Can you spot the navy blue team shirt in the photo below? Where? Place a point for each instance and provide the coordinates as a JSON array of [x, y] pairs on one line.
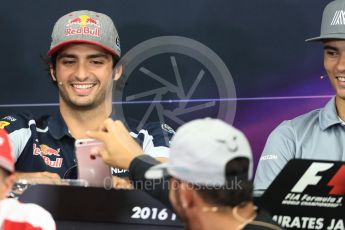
[[44, 143]]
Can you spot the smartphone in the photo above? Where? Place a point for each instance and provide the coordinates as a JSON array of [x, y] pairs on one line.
[[92, 168]]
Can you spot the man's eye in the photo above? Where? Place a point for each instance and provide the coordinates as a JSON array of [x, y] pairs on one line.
[[68, 62], [331, 53], [97, 62]]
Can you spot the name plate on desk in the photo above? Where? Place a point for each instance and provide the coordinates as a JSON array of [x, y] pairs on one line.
[[73, 203], [308, 194]]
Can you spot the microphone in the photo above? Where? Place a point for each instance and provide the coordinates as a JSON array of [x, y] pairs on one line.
[[60, 83]]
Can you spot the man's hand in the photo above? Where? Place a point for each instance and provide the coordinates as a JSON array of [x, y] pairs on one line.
[[122, 183], [120, 147], [38, 177]]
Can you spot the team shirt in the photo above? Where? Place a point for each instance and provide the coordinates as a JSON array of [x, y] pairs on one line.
[[44, 143]]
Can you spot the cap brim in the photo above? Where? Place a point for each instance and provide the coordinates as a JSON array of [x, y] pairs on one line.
[[325, 37], [5, 164], [62, 44], [157, 172]]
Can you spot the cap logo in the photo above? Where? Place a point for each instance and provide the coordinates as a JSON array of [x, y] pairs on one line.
[[84, 22], [232, 147], [338, 18], [2, 141], [118, 43]]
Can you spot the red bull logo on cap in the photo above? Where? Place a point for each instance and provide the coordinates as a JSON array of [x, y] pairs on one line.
[[87, 26]]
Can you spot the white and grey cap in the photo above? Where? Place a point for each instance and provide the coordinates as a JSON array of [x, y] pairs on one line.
[[200, 151], [85, 26], [333, 22]]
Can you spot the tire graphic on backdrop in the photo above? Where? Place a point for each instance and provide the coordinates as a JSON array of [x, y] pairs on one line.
[[174, 79]]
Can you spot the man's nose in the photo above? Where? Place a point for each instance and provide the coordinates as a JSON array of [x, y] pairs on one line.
[[81, 72], [341, 64]]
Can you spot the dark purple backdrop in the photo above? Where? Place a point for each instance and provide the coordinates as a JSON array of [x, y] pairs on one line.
[[275, 73]]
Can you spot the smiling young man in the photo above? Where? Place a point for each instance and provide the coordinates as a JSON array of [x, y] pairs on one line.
[[319, 134], [84, 51]]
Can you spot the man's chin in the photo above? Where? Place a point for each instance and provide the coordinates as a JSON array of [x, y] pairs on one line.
[[341, 96], [81, 105]]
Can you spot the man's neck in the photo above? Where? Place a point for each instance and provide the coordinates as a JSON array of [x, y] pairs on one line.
[[79, 121], [340, 105], [224, 220]]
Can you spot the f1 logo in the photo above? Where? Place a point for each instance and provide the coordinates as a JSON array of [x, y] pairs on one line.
[[310, 178]]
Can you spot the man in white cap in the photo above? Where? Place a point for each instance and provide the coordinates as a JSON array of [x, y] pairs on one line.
[[13, 214], [319, 134], [207, 177], [84, 51]]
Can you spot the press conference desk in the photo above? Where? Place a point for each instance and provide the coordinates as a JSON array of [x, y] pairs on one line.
[[97, 208]]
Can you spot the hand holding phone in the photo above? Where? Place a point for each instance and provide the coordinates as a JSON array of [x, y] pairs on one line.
[[91, 168]]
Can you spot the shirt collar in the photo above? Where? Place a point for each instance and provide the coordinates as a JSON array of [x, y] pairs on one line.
[[57, 126], [328, 115], [341, 121], [59, 129]]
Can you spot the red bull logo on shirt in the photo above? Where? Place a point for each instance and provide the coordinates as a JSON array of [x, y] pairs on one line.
[[44, 151], [87, 25]]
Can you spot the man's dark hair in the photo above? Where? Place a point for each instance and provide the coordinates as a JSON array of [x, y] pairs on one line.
[[238, 189]]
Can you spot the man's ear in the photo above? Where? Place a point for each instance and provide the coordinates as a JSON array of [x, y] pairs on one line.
[[117, 72], [186, 196], [52, 73]]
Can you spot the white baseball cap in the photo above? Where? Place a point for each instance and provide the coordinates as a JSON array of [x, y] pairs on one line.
[[200, 151]]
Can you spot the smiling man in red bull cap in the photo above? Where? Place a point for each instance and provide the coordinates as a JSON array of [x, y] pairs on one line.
[[84, 51], [13, 214]]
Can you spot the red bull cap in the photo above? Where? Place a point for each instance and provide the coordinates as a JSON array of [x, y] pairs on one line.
[[6, 159], [85, 27]]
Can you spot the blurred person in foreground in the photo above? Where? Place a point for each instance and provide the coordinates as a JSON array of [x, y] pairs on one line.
[[206, 180], [13, 214]]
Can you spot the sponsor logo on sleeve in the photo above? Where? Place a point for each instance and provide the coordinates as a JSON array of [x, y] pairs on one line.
[[10, 118], [167, 128], [268, 157]]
